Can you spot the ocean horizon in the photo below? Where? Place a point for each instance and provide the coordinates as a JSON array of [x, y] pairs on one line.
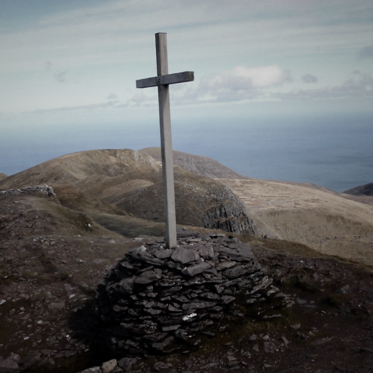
[[333, 152]]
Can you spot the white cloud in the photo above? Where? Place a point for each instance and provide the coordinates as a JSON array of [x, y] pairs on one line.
[[90, 107], [359, 85], [241, 83], [243, 78]]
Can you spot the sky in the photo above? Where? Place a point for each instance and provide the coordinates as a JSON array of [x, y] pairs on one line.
[[75, 62]]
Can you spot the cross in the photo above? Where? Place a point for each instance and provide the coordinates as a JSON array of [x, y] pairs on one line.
[[162, 81]]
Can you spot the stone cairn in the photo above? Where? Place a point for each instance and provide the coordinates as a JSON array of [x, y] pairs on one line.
[[158, 300]]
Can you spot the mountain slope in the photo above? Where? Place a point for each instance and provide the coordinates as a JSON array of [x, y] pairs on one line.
[[321, 219], [133, 182]]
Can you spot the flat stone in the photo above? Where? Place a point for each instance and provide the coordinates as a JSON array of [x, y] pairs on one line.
[[147, 278], [182, 334], [226, 251], [270, 347], [227, 299], [225, 265], [126, 363], [264, 282], [163, 254], [198, 305], [197, 269], [56, 306], [168, 328], [139, 328], [162, 345], [246, 251], [209, 296], [156, 337], [152, 311], [91, 370], [166, 283], [9, 365], [206, 252], [181, 298], [237, 271], [126, 285], [150, 259], [171, 308], [320, 341], [108, 366], [172, 290], [184, 255]]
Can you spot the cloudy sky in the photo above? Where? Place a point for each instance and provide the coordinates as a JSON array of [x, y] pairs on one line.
[[76, 61]]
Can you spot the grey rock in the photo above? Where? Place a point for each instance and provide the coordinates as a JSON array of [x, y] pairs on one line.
[[147, 278], [168, 328], [108, 366], [264, 282], [197, 269], [343, 289], [126, 363], [197, 305], [91, 370], [160, 346], [237, 271], [159, 366], [126, 285], [163, 254], [227, 299], [209, 296], [206, 252], [185, 255], [56, 306], [225, 265], [320, 341], [270, 347], [10, 364]]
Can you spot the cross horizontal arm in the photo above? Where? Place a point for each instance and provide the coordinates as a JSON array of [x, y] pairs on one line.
[[186, 76]]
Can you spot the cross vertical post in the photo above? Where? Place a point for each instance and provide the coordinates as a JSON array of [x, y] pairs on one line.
[[162, 81], [166, 141]]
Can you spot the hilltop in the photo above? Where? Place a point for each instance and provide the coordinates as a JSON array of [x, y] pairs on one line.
[[199, 165], [129, 183], [362, 190]]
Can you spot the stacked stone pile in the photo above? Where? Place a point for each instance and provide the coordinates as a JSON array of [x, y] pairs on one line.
[[159, 300]]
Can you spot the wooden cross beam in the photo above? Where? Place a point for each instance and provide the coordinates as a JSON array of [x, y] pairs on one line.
[[162, 81]]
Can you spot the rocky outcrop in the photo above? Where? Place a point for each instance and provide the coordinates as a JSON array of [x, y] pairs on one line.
[[158, 300], [45, 189], [203, 202], [228, 214]]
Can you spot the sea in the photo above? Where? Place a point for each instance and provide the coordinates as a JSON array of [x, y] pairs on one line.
[[329, 151]]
